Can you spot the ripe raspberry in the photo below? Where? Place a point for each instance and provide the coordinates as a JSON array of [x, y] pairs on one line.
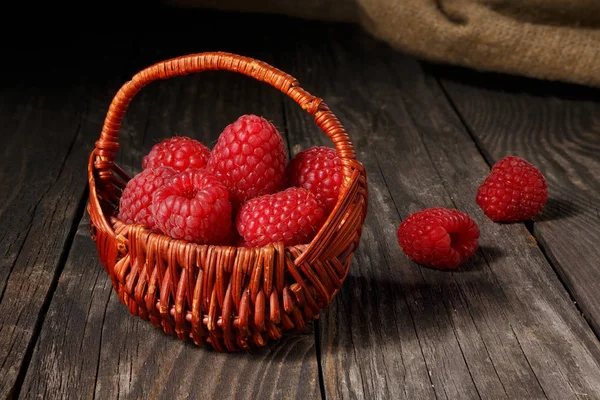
[[318, 169], [249, 158], [438, 237], [514, 191], [178, 152], [136, 200], [193, 205], [292, 217]]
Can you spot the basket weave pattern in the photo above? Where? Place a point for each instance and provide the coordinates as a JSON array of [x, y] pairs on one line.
[[231, 298]]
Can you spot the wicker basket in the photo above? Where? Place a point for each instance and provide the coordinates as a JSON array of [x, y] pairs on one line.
[[231, 298]]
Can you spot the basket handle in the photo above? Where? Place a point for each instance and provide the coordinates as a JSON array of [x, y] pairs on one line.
[[108, 143]]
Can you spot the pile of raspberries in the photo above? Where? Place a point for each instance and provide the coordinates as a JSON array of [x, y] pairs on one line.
[[245, 193], [242, 193]]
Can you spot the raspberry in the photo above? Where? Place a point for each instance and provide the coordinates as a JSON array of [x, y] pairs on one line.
[[178, 152], [318, 169], [249, 158], [438, 237], [515, 190], [292, 217], [193, 205], [136, 200]]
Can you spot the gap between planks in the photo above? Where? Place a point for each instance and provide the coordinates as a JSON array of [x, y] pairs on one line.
[[48, 299]]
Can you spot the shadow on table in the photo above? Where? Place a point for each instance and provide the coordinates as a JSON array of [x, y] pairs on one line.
[[373, 312], [557, 209]]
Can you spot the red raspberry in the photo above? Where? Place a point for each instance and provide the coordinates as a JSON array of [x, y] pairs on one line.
[[193, 205], [136, 200], [178, 152], [514, 191], [249, 158], [438, 237], [292, 217], [318, 169]]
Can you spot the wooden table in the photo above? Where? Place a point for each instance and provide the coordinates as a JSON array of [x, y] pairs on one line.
[[520, 320]]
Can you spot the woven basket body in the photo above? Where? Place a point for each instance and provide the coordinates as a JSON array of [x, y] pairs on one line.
[[230, 298]]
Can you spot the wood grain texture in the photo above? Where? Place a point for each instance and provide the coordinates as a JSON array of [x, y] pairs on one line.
[[112, 354], [66, 356], [46, 123], [557, 128], [502, 327]]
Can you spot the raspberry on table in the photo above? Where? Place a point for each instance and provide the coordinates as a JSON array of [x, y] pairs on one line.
[[319, 170], [249, 158], [136, 200], [438, 237], [292, 216], [177, 152], [193, 205], [515, 190]]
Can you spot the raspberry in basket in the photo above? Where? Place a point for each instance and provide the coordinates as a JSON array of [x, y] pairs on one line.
[[249, 158], [515, 190], [136, 200], [193, 205], [292, 216], [178, 152], [439, 237], [318, 169]]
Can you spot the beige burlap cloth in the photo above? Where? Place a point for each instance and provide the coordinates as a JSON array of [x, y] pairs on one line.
[[547, 39]]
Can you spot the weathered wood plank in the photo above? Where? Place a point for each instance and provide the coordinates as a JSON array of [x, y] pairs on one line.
[[128, 357], [46, 123], [502, 327], [65, 359], [557, 128]]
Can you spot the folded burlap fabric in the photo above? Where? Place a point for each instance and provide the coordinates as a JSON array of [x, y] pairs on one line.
[[548, 39]]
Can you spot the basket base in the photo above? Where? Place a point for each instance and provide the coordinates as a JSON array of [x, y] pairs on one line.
[[217, 339]]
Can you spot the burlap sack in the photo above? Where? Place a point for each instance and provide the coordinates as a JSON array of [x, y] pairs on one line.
[[548, 39]]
